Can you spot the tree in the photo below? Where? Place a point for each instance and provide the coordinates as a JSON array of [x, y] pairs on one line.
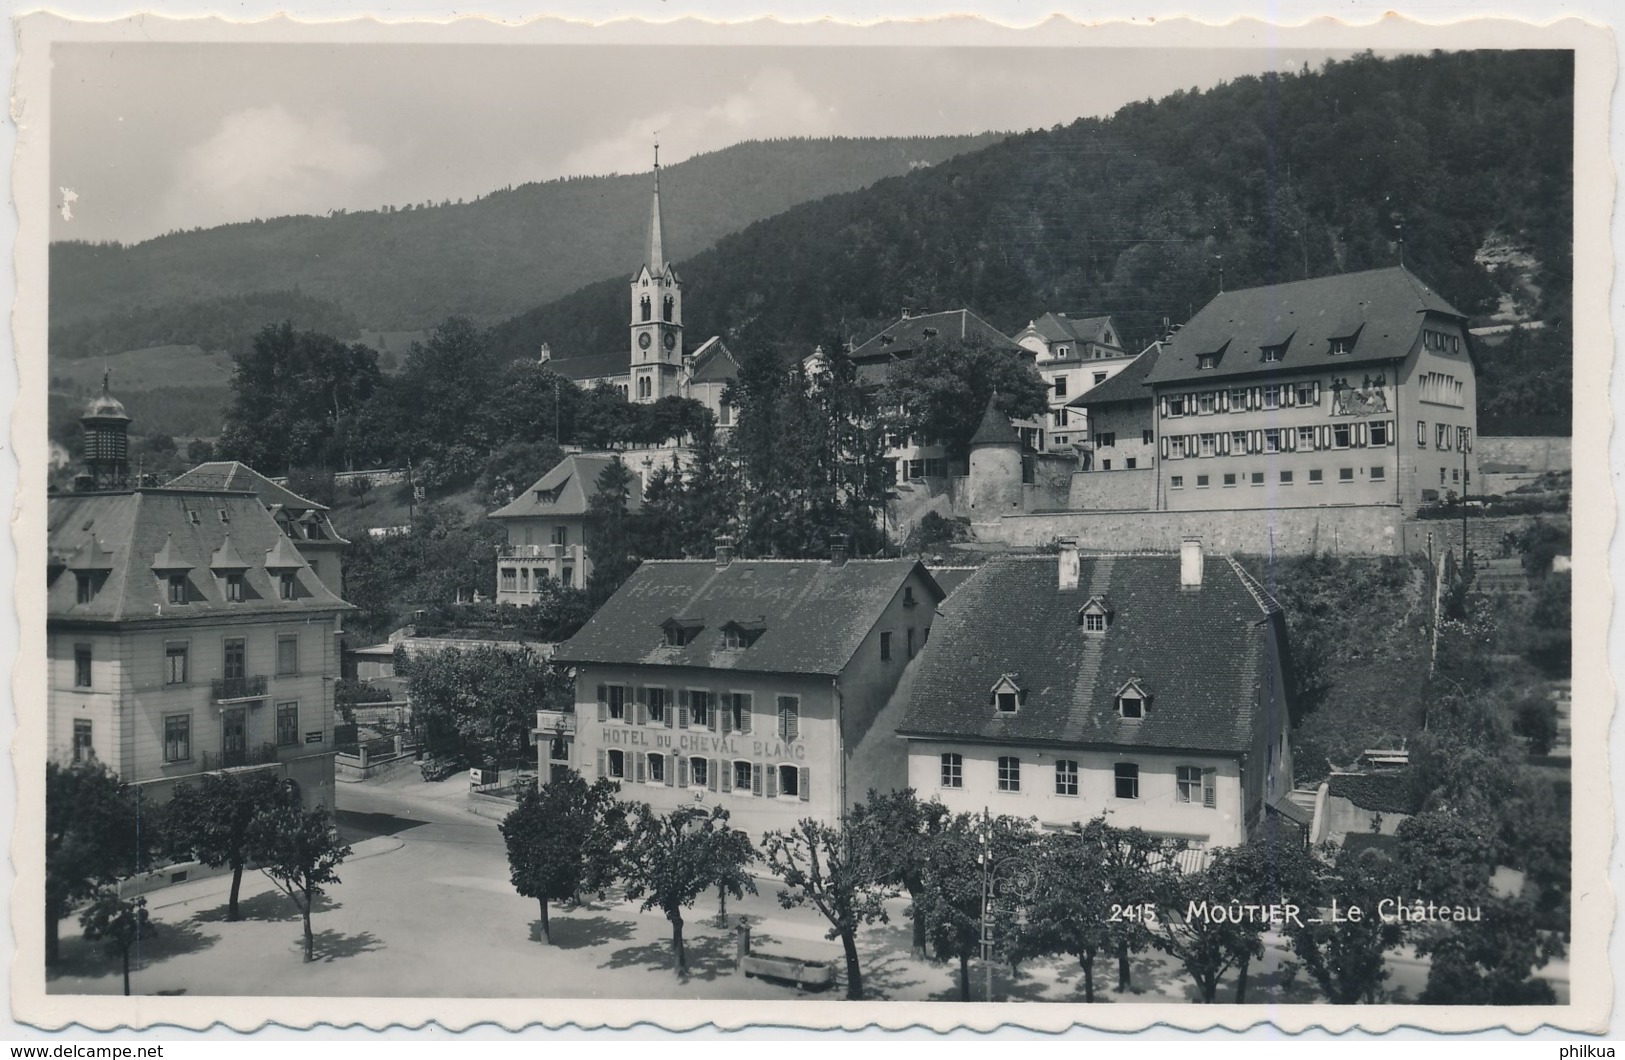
[[612, 532], [481, 703], [212, 820], [951, 899], [1070, 909], [93, 836], [671, 859], [300, 852], [840, 871], [734, 876], [551, 832], [1347, 959], [944, 389], [910, 828], [1488, 961], [119, 924]]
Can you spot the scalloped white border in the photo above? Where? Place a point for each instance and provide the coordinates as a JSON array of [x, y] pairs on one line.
[[1592, 987]]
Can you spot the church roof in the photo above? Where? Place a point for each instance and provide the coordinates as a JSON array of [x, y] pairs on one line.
[[654, 255], [588, 366], [713, 363]]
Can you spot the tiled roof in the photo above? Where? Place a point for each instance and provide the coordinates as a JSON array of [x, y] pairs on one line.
[[233, 475], [569, 489], [586, 366], [1058, 327], [713, 363], [1127, 385], [1384, 306], [951, 578], [994, 429], [1200, 655], [141, 529], [815, 614], [909, 334], [1378, 792]]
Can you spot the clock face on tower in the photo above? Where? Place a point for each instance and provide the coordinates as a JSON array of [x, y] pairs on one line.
[[643, 341], [671, 340]]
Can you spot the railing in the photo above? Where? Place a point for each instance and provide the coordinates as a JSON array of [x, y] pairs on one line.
[[264, 754], [532, 551], [229, 688]]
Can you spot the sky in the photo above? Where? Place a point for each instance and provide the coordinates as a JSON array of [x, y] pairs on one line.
[[150, 138]]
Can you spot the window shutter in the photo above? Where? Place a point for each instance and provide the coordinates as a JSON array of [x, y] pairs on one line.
[[1359, 434], [1317, 393], [1209, 797], [1222, 444], [756, 778], [745, 710], [643, 705], [1289, 439], [795, 720], [725, 769], [712, 768], [805, 781], [682, 708], [1290, 398], [1164, 408], [603, 703], [668, 708], [639, 767], [1391, 427], [1192, 441], [603, 764], [772, 779], [724, 708], [711, 718], [671, 770], [1224, 401], [1165, 447]]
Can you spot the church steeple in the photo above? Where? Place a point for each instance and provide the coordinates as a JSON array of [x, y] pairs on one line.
[[655, 253]]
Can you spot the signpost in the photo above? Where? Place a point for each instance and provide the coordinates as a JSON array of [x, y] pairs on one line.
[[1007, 887]]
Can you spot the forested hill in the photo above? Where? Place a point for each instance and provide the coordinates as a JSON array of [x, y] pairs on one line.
[[1269, 178], [409, 268]]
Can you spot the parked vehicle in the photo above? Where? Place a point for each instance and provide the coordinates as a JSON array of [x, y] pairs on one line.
[[439, 767]]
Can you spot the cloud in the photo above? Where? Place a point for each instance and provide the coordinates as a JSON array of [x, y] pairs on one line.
[[267, 162], [773, 104]]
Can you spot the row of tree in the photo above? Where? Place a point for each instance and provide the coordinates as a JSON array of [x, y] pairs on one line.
[[99, 831], [1087, 892]]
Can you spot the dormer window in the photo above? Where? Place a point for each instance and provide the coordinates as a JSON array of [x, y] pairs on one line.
[[1132, 701], [1205, 361], [1272, 353], [1095, 615], [680, 631], [1007, 696], [741, 634], [1342, 346], [234, 588]]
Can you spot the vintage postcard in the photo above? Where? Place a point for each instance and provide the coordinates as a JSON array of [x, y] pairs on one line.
[[812, 524]]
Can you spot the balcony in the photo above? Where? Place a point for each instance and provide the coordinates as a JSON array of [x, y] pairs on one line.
[[263, 755], [238, 689], [531, 551]]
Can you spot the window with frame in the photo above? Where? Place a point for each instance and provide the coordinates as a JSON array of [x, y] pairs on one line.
[[1272, 439], [885, 647], [741, 704], [235, 661], [1378, 473], [1009, 773], [1176, 482], [1421, 434], [1106, 464], [510, 579], [742, 778], [1066, 777], [656, 768], [234, 588], [615, 695], [953, 770], [1205, 403], [175, 663], [1201, 482], [1229, 478], [789, 718], [289, 585], [1176, 446], [1094, 622], [287, 724], [177, 589], [1106, 439], [656, 705], [85, 587], [287, 655], [1100, 377], [1306, 437], [1205, 361], [1238, 399], [1126, 780], [1464, 437], [1341, 433], [1379, 432], [1272, 396], [558, 749], [84, 749], [1060, 385], [1286, 478], [1058, 418], [1130, 463], [1238, 441], [1271, 354], [616, 760], [909, 637], [1345, 474], [81, 665], [1007, 702], [1209, 444], [1442, 436], [177, 737], [1131, 706], [1342, 346], [699, 709], [1257, 478], [1303, 393], [790, 782], [1148, 436], [561, 535], [699, 771], [1315, 475]]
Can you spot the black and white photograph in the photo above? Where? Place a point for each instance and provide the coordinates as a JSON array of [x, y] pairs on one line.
[[817, 519]]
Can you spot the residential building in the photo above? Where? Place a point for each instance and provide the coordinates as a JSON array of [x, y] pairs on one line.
[[1146, 688], [547, 528], [658, 362], [185, 634], [1356, 389], [1074, 355], [922, 458], [305, 522], [1119, 451], [739, 682]]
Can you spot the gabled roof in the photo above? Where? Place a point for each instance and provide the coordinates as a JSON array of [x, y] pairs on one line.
[[1127, 385], [568, 489], [233, 475], [1384, 305], [713, 363], [585, 366], [1058, 327], [138, 527], [815, 613], [1201, 656], [909, 334]]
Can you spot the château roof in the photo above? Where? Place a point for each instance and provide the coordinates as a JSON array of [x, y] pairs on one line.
[[813, 614], [567, 489], [1202, 657], [1381, 310], [910, 333], [234, 475]]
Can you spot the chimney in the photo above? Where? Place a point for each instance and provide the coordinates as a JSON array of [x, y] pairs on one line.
[[1190, 563], [837, 550], [725, 550], [1069, 563]]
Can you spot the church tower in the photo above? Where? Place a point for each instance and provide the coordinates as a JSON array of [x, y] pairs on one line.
[[657, 315], [107, 443]]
